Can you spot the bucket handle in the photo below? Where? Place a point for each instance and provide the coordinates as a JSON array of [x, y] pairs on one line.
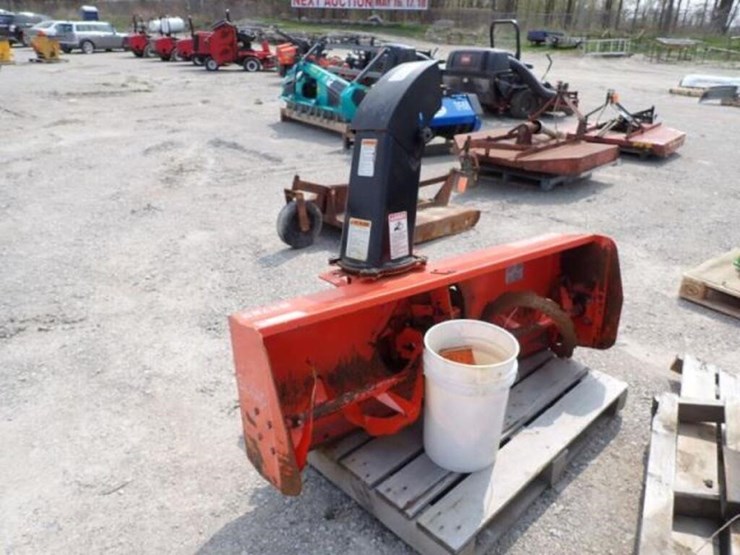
[[407, 410]]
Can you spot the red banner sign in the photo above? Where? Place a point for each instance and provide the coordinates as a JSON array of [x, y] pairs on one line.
[[363, 4]]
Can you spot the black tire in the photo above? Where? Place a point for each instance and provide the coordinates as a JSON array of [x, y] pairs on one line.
[[148, 52], [289, 230], [66, 49], [198, 61], [211, 64], [524, 103], [251, 64], [87, 47], [174, 56]]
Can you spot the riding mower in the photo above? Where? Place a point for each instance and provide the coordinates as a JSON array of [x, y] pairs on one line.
[[165, 46], [138, 40], [229, 45], [319, 97], [502, 82], [313, 369]]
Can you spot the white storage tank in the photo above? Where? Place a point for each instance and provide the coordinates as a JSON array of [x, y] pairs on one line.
[[167, 25]]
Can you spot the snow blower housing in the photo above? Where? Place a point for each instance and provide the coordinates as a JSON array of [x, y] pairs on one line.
[[312, 369]]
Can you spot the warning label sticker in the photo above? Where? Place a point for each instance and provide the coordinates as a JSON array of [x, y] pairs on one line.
[[358, 238], [398, 227], [366, 165]]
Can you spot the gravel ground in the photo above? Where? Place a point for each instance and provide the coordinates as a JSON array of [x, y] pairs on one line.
[[137, 210]]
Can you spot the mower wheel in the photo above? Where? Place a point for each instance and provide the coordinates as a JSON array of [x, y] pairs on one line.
[[211, 64], [66, 49], [174, 56], [148, 52], [524, 103], [197, 60], [289, 228], [252, 64], [87, 47]]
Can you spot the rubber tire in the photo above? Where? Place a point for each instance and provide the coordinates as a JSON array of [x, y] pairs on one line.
[[174, 56], [87, 47], [66, 49], [211, 64], [252, 64], [523, 104], [289, 229], [197, 61]]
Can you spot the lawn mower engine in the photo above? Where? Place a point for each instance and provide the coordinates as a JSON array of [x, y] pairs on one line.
[[312, 369]]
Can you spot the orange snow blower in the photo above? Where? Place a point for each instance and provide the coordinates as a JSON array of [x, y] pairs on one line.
[[312, 369]]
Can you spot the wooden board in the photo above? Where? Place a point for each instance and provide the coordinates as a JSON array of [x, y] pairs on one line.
[[692, 483], [714, 284], [441, 512]]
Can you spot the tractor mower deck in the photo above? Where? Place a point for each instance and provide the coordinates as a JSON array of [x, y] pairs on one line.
[[308, 204], [531, 150], [632, 132]]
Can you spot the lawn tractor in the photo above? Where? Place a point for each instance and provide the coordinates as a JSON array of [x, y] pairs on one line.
[[312, 369], [319, 97], [138, 40], [229, 45], [502, 82], [165, 46], [199, 47]]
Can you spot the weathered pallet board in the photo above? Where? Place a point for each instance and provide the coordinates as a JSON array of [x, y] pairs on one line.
[[440, 512], [714, 284], [692, 483]]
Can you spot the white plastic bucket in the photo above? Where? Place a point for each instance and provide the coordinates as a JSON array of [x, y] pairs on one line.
[[465, 404]]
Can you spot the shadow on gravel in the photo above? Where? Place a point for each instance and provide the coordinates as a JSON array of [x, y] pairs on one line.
[[304, 132], [522, 192], [327, 242], [321, 520]]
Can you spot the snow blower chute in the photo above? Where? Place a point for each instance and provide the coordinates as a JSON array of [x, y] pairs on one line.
[[311, 369]]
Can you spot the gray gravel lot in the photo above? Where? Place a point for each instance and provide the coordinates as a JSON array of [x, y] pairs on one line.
[[138, 202]]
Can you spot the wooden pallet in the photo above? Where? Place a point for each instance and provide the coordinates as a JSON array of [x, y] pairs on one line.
[[546, 182], [335, 126], [551, 410], [692, 483], [714, 284]]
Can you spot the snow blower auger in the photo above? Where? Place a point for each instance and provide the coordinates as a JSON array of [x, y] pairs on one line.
[[633, 132], [309, 205], [312, 369], [318, 97]]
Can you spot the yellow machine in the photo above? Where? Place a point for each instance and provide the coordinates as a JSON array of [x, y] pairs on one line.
[[6, 52], [47, 49]]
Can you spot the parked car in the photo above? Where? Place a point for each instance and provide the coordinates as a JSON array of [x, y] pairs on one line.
[[14, 26], [88, 36], [48, 27]]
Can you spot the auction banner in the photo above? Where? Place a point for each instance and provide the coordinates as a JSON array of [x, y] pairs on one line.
[[363, 4]]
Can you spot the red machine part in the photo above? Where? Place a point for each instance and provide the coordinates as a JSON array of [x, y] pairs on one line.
[[164, 47], [224, 47], [314, 368], [184, 49], [137, 43]]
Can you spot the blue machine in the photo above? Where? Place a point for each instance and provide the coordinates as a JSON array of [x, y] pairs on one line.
[[313, 93]]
